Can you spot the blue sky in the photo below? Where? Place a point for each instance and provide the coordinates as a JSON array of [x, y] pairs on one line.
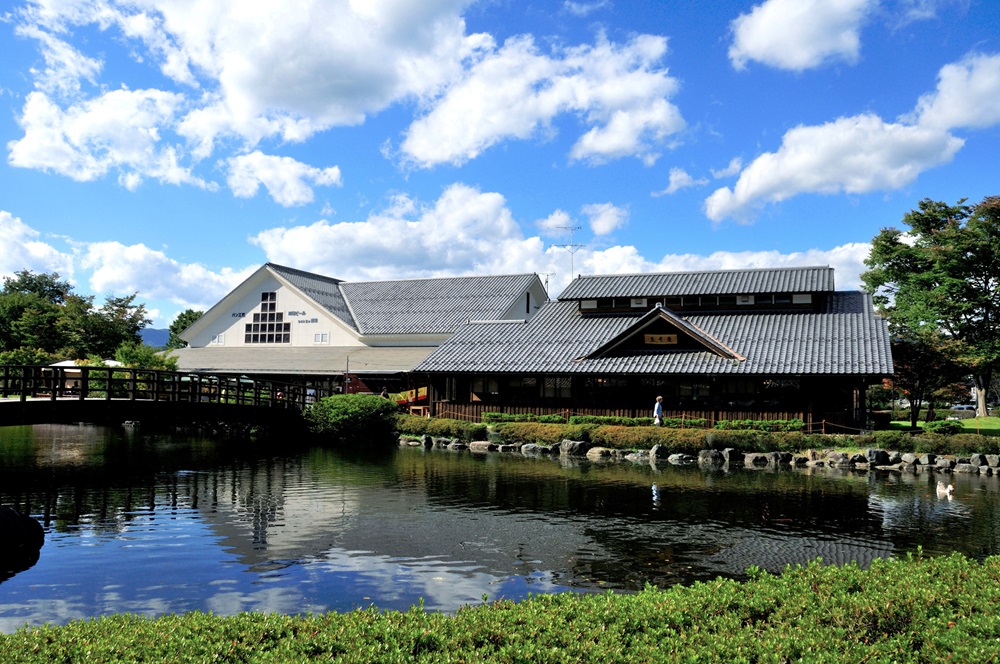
[[171, 147]]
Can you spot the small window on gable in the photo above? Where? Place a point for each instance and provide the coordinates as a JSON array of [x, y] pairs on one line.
[[588, 304], [606, 303], [218, 340], [321, 338], [802, 298], [638, 302], [727, 300], [782, 298], [673, 301]]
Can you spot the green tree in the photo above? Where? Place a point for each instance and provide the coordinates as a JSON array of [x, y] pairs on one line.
[[183, 321], [46, 286], [118, 321], [942, 276], [924, 365], [141, 356]]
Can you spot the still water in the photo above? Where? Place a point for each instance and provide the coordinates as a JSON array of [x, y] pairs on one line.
[[167, 524]]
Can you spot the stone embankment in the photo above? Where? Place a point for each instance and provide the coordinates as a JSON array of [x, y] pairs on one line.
[[976, 464]]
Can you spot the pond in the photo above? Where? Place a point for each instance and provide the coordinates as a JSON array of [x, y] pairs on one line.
[[151, 524]]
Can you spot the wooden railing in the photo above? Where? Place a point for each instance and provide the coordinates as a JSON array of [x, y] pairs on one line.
[[24, 382]]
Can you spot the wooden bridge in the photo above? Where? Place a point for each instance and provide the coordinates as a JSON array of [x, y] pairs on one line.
[[108, 395]]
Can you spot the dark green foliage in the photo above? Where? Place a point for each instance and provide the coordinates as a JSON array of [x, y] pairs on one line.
[[521, 433], [761, 425], [610, 420], [899, 610], [946, 427], [680, 441], [361, 417], [414, 425], [494, 418], [183, 321]]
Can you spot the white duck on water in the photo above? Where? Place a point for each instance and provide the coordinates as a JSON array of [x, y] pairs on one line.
[[944, 491]]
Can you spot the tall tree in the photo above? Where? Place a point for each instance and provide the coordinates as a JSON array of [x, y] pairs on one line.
[[924, 364], [182, 322], [49, 287], [942, 276]]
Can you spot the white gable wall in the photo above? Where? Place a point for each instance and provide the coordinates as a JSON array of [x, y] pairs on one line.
[[526, 304], [229, 318]]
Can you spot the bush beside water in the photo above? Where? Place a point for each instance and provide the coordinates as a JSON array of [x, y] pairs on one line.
[[360, 417], [913, 610]]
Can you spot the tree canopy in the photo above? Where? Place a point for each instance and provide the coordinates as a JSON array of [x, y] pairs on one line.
[[942, 277], [41, 318], [182, 322]]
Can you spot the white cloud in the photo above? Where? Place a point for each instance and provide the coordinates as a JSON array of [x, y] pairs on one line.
[[555, 223], [863, 153], [117, 130], [853, 155], [64, 65], [799, 34], [967, 95], [20, 249], [680, 179], [605, 218], [127, 269], [516, 92], [285, 178], [584, 9], [734, 166], [465, 231]]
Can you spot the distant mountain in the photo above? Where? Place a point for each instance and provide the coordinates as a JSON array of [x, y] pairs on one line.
[[154, 338]]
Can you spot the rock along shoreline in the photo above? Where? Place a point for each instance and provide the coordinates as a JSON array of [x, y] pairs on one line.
[[871, 459]]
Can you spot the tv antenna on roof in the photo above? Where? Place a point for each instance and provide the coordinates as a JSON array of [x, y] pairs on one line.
[[572, 248], [546, 275]]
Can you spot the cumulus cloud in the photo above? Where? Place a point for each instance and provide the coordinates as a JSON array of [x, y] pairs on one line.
[[680, 179], [852, 155], [250, 72], [734, 166], [619, 92], [117, 268], [605, 218], [117, 130], [967, 95], [864, 153], [286, 179], [555, 223], [20, 249], [466, 231], [799, 34]]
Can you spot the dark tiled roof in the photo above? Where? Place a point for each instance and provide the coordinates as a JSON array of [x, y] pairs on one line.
[[414, 306], [325, 291], [719, 282], [432, 306], [855, 342]]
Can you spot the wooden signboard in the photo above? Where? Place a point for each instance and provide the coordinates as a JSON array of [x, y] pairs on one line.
[[661, 339]]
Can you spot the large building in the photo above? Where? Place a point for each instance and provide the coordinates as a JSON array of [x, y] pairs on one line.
[[334, 335], [730, 344]]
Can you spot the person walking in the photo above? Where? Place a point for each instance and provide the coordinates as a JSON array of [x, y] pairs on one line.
[[658, 412]]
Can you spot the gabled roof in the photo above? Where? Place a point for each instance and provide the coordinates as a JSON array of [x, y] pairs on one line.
[[325, 291], [717, 282], [694, 332], [432, 306], [848, 339], [411, 306]]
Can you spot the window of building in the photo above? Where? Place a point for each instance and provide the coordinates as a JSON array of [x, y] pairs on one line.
[[321, 338], [218, 340], [268, 326], [556, 387], [485, 389], [727, 300]]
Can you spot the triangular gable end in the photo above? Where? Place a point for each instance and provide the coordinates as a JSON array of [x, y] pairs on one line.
[[662, 329]]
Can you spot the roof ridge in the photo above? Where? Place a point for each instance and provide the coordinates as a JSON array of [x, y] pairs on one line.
[[718, 271]]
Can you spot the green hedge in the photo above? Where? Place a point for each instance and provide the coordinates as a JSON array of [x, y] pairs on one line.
[[492, 418], [761, 425], [912, 609], [414, 425]]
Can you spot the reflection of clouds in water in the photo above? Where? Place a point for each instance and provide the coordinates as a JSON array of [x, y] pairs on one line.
[[442, 584], [230, 601]]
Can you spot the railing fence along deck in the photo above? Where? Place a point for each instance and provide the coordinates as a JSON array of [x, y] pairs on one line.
[[24, 382]]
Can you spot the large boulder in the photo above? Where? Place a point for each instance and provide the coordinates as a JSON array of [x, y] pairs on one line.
[[21, 540]]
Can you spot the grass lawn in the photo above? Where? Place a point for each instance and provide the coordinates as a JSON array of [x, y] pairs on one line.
[[987, 426]]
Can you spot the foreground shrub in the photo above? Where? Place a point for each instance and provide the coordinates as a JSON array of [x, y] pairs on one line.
[[414, 425], [899, 610], [362, 417], [679, 441]]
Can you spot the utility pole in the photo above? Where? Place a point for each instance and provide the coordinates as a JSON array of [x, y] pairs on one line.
[[546, 275], [572, 248]]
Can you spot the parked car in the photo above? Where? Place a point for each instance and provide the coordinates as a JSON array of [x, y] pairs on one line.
[[963, 406]]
